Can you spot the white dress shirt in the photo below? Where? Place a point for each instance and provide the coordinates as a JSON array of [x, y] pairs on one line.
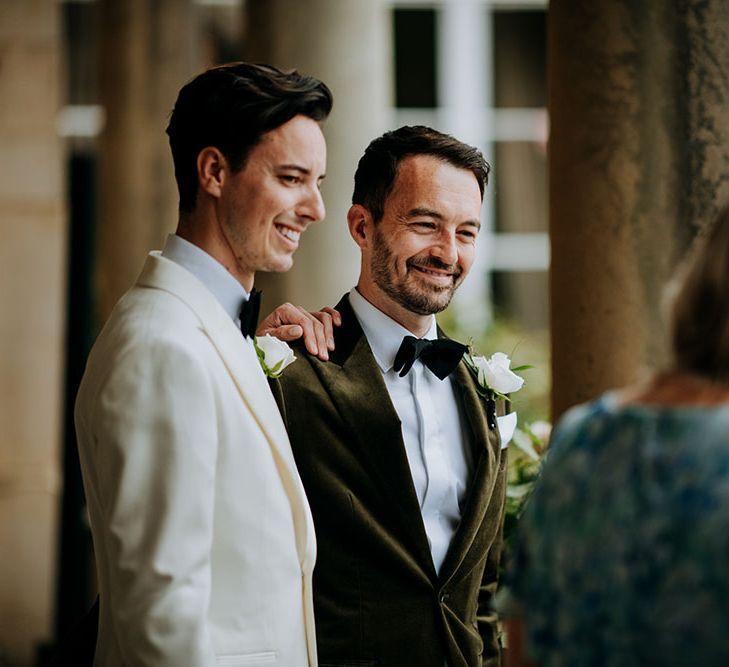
[[433, 427], [210, 272]]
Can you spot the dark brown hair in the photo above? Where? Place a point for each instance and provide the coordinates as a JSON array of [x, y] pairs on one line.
[[700, 315], [230, 107], [378, 167]]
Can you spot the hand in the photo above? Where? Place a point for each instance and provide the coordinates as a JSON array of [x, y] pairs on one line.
[[289, 322]]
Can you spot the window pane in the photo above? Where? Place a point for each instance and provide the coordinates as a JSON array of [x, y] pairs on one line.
[[415, 58], [522, 187], [520, 46]]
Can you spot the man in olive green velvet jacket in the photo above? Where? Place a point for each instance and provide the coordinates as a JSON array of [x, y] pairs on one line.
[[404, 471]]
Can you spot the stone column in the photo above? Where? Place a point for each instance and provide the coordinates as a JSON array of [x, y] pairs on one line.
[[639, 160], [147, 53], [345, 43], [32, 296], [465, 92]]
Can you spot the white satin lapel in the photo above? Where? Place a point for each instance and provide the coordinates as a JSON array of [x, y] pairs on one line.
[[242, 363], [246, 372]]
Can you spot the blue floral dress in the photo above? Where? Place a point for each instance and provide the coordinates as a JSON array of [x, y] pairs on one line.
[[622, 556]]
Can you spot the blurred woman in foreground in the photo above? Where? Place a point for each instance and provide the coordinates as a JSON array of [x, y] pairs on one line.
[[623, 551]]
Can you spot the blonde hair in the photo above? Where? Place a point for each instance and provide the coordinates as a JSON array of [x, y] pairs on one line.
[[700, 313]]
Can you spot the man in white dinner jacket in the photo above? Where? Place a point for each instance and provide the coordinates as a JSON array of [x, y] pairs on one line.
[[202, 534]]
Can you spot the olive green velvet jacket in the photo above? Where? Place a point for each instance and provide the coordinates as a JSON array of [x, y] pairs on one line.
[[377, 597]]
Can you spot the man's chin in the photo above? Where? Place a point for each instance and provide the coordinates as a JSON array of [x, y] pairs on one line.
[[426, 303], [435, 293], [280, 266]]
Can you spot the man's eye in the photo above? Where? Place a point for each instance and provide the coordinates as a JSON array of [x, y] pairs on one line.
[[424, 225], [468, 234], [289, 178]]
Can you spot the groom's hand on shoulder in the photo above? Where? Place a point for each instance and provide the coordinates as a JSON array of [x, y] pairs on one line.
[[289, 322]]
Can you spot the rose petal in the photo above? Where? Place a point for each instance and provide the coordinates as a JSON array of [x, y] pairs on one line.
[[276, 354]]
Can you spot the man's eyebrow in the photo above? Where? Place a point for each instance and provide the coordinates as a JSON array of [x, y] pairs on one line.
[[424, 213], [430, 213], [299, 168]]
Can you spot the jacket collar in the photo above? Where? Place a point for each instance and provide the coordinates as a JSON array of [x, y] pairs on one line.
[[211, 273], [384, 335]]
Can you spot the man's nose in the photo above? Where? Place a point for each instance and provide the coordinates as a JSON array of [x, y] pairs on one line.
[[446, 249], [312, 207]]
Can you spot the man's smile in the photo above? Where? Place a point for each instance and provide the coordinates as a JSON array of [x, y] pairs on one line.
[[288, 233], [442, 275]]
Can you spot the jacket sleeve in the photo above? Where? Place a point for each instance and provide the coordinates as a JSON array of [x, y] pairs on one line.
[[154, 446], [488, 622]]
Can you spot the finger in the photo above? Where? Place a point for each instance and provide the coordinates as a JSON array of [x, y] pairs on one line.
[[288, 315], [336, 316], [311, 329], [279, 317], [306, 322], [326, 321], [318, 336], [286, 333]]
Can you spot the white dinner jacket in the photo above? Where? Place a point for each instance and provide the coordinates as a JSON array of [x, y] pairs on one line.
[[203, 538]]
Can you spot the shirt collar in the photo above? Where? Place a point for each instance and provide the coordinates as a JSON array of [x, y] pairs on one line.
[[384, 335], [211, 273]]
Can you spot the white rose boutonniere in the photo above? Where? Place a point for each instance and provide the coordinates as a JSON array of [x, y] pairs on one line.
[[273, 355], [494, 374], [495, 379]]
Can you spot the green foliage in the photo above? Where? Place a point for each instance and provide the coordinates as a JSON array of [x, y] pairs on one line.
[[529, 351], [526, 453]]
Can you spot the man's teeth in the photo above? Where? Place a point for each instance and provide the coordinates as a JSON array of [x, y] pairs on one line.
[[434, 273], [289, 233]]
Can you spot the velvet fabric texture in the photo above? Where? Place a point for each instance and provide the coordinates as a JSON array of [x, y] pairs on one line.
[[378, 599]]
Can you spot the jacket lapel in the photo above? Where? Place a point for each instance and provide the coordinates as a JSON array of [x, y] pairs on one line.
[[355, 383], [242, 363], [486, 448]]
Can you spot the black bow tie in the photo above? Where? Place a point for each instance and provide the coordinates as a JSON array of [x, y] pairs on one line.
[[249, 314], [440, 356]]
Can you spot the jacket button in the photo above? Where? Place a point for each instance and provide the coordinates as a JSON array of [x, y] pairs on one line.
[[444, 596]]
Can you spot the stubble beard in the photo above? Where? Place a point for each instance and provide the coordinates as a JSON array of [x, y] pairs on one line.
[[249, 254], [413, 294]]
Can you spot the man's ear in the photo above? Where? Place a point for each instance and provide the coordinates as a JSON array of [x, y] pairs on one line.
[[212, 170], [360, 224]]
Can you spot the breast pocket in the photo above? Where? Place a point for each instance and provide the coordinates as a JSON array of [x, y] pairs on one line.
[[260, 658]]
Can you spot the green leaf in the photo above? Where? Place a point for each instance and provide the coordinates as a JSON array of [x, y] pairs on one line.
[[525, 367], [259, 352]]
